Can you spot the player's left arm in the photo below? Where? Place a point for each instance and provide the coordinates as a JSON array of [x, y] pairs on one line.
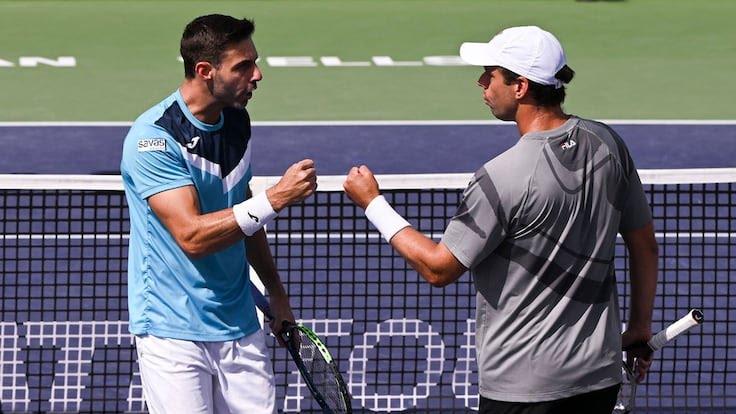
[[636, 227], [643, 252], [433, 261], [259, 256]]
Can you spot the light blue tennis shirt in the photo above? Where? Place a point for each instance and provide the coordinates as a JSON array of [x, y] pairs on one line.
[[170, 294]]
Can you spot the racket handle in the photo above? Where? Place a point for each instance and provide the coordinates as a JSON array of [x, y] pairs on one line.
[[694, 318], [663, 337]]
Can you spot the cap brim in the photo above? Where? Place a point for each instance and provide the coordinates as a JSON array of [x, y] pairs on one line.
[[478, 54]]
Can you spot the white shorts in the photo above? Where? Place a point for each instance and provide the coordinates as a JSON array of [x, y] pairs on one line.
[[182, 376]]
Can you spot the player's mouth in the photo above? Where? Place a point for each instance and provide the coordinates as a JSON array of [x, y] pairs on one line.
[[249, 93]]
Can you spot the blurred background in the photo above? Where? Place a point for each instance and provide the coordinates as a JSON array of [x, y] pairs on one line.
[[640, 59]]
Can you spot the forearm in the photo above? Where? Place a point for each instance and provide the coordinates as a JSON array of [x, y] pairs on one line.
[[209, 233], [428, 258], [643, 288], [433, 261], [199, 234], [261, 260], [223, 228]]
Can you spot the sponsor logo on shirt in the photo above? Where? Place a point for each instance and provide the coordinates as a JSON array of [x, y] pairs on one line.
[[151, 144], [193, 143], [568, 144]]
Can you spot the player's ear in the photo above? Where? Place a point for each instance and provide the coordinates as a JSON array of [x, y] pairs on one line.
[[203, 70], [521, 87]]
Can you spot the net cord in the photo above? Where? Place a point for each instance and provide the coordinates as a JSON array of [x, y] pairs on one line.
[[334, 182]]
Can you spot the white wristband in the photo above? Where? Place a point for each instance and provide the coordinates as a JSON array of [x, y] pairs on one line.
[[385, 218], [253, 213]]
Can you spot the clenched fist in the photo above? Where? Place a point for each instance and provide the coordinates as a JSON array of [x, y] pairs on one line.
[[361, 186], [298, 182]]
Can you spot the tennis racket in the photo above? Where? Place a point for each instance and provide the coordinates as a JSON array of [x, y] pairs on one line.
[[314, 362], [627, 394]]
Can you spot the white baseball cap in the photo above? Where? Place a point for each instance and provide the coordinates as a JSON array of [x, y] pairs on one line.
[[526, 50]]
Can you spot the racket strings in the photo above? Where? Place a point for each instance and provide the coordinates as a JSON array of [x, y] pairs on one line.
[[322, 372]]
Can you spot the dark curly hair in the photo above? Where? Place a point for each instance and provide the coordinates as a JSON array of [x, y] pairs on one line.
[[207, 37], [544, 95]]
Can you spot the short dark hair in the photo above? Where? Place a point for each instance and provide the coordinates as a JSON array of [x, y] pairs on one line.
[[544, 95], [207, 37]]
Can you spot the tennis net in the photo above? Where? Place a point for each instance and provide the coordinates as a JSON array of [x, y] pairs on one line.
[[401, 344]]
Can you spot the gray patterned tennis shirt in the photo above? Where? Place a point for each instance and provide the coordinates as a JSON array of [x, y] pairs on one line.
[[537, 227]]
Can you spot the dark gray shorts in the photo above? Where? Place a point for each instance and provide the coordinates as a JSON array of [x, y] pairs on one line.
[[595, 402]]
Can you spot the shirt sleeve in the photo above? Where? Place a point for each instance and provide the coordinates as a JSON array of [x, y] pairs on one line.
[[480, 223], [636, 212], [154, 161]]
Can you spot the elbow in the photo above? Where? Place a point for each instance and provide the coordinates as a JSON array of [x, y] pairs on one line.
[[192, 250], [189, 244], [440, 269], [195, 254], [652, 248], [439, 282], [439, 279]]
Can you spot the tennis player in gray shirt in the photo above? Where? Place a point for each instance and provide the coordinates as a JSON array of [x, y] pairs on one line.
[[537, 227]]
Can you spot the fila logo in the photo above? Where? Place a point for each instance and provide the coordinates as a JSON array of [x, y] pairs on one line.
[[193, 143], [255, 218], [568, 144]]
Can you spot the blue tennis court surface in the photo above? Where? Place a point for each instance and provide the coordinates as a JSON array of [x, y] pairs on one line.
[[402, 345], [387, 148]]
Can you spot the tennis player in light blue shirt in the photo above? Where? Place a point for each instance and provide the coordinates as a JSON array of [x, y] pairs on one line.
[[196, 229], [173, 294]]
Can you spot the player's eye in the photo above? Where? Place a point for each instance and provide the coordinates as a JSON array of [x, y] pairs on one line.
[[244, 66]]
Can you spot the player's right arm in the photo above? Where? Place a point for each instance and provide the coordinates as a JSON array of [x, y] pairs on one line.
[[433, 261], [200, 234]]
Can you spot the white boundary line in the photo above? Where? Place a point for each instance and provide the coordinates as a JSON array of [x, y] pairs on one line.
[[379, 123], [61, 182], [334, 182]]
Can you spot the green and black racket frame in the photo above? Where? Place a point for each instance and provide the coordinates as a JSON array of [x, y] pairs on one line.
[[313, 360]]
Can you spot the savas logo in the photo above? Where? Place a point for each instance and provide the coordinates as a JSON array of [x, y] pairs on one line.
[[151, 144]]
